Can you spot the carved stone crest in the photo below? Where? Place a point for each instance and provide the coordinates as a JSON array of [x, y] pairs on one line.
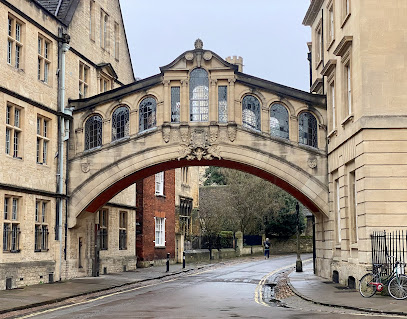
[[198, 44], [189, 56], [213, 133], [232, 132], [184, 133], [166, 133], [85, 167], [312, 162], [207, 55], [199, 147]]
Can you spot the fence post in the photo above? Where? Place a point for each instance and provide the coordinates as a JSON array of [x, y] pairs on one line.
[[183, 259], [168, 262]]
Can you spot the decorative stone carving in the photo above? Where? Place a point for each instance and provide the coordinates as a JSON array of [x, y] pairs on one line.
[[232, 132], [199, 147], [85, 167], [312, 162], [198, 44], [189, 56], [207, 55], [184, 133], [166, 133], [213, 133]]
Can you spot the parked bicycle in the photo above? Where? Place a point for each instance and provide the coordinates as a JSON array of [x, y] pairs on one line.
[[375, 281]]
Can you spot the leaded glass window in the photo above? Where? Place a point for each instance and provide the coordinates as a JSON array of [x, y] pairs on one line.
[[175, 104], [147, 114], [93, 132], [251, 112], [120, 123], [308, 129], [199, 95], [223, 104], [279, 121]]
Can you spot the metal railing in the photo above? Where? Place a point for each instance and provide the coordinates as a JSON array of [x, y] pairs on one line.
[[387, 248]]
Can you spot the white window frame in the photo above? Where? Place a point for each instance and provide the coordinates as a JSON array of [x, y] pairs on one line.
[[338, 212], [159, 232], [159, 184]]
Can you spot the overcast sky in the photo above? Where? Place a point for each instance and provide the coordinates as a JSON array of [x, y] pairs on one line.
[[268, 34]]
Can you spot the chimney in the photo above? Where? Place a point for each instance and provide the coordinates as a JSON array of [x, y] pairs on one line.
[[236, 60]]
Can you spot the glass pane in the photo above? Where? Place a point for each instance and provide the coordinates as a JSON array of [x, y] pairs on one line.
[[147, 114], [308, 129], [199, 95], [175, 104], [279, 121], [120, 123], [251, 112], [223, 104], [93, 132]]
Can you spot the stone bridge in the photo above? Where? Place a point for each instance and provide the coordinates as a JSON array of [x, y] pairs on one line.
[[199, 110]]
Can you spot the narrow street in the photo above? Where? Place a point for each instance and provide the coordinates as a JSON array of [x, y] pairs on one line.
[[237, 290]]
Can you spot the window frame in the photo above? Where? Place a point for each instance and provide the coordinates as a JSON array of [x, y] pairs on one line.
[[14, 130], [199, 95], [147, 113], [312, 129], [120, 122], [318, 44], [83, 77], [15, 42], [285, 117], [256, 112], [123, 222], [11, 226], [159, 184], [175, 104], [103, 229], [41, 225], [43, 139], [159, 233], [330, 24], [44, 59], [222, 104], [89, 143]]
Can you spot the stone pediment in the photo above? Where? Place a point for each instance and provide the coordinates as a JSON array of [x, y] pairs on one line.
[[197, 57], [108, 69]]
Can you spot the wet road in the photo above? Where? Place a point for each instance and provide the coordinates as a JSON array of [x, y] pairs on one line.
[[232, 291]]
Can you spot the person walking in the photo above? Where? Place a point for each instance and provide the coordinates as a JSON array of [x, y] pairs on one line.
[[267, 249]]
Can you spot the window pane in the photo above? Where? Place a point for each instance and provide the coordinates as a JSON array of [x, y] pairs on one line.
[[279, 121], [199, 95], [120, 123], [147, 114], [251, 112], [308, 129], [93, 132], [223, 104], [175, 104]]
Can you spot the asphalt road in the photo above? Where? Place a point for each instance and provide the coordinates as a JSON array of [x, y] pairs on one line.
[[233, 291]]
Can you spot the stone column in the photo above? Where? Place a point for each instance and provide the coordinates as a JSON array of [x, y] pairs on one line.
[[184, 101], [293, 127], [231, 101], [213, 105], [239, 244], [167, 102]]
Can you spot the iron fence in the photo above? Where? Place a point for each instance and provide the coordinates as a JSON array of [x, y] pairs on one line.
[[387, 248]]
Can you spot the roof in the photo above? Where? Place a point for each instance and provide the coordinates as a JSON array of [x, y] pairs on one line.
[[63, 10]]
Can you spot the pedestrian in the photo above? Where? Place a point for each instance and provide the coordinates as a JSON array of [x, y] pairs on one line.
[[267, 249]]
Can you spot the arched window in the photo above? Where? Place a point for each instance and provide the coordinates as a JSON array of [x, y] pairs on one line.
[[199, 95], [251, 112], [279, 121], [93, 132], [308, 129], [147, 113], [120, 123]]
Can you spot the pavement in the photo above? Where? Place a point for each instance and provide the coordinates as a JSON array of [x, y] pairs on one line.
[[324, 292], [304, 284]]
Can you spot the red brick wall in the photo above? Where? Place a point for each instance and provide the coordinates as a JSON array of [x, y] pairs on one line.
[[149, 206]]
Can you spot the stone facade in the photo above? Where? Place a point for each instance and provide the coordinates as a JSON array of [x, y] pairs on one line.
[[358, 52], [31, 106], [153, 208]]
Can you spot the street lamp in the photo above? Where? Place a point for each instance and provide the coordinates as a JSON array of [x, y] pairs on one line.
[[298, 264]]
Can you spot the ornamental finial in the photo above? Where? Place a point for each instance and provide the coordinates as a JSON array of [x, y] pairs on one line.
[[198, 44]]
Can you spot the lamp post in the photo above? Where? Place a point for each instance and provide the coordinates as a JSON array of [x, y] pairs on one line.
[[298, 264]]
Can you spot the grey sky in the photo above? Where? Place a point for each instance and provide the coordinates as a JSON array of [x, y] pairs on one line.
[[268, 34]]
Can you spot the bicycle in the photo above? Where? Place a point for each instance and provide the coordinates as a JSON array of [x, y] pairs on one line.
[[375, 281]]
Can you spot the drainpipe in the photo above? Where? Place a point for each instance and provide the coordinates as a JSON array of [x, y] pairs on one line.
[[63, 137]]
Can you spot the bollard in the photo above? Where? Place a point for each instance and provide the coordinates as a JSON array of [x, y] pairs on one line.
[[183, 259], [168, 262]]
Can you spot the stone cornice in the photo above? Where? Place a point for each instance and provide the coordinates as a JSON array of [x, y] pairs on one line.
[[343, 45], [312, 12], [282, 90], [329, 67], [316, 85], [81, 105]]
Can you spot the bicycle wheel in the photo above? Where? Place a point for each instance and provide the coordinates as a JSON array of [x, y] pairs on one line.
[[398, 287], [366, 288]]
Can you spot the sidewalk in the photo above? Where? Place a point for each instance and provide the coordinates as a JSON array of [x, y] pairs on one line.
[[41, 294], [320, 291]]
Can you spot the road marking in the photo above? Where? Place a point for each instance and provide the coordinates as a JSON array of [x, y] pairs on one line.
[[258, 293]]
